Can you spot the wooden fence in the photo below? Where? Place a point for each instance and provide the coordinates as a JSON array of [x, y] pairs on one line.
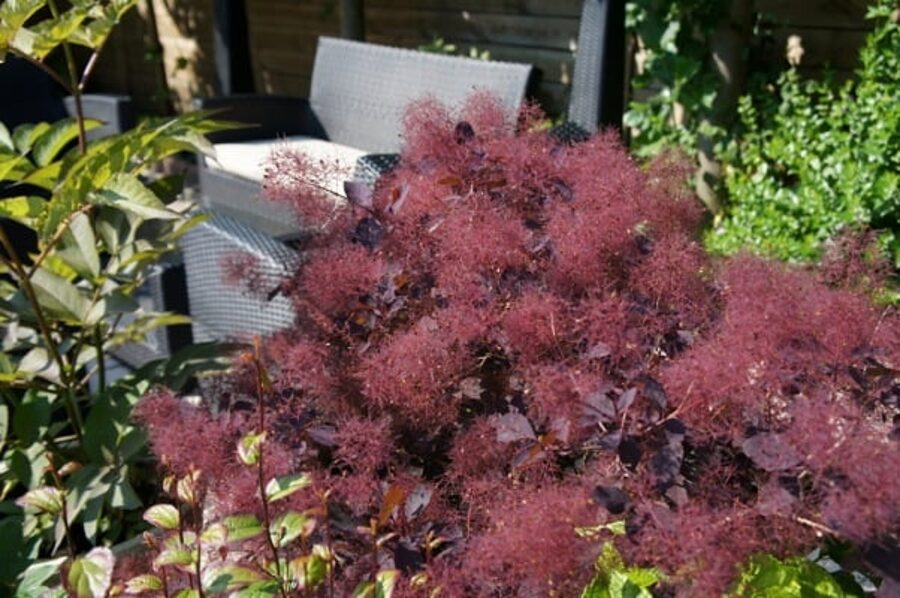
[[283, 33]]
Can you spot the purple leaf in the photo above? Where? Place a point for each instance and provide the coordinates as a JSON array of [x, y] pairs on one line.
[[562, 189], [368, 233], [359, 194], [626, 399], [323, 435], [654, 391], [512, 427], [464, 132], [666, 464], [599, 407], [417, 500], [599, 351], [771, 452], [629, 452], [610, 498]]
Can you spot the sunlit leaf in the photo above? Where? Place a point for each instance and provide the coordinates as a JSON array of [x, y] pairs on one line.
[[45, 499], [229, 578], [25, 135], [60, 297], [78, 247], [50, 33], [127, 192], [250, 447], [163, 516], [178, 556], [289, 526], [36, 577], [23, 209], [284, 486], [47, 147], [91, 575], [242, 527], [143, 583]]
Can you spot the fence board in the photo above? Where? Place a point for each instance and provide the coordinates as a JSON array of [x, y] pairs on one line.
[[475, 27], [557, 8]]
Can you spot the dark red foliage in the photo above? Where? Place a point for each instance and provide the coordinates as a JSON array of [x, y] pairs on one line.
[[515, 322]]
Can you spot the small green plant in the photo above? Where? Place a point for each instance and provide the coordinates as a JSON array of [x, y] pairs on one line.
[[674, 51], [813, 159], [767, 576], [72, 465], [267, 551], [616, 580]]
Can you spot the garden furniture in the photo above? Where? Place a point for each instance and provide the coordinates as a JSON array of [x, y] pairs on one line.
[[359, 92]]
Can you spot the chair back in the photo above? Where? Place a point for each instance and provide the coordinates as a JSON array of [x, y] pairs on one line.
[[360, 91]]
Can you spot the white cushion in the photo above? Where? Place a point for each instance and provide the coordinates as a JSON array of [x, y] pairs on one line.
[[248, 159]]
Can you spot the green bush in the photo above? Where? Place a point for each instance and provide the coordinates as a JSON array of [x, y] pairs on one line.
[[72, 465], [813, 158]]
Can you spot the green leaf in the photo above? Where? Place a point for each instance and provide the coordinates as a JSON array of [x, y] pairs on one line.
[[91, 575], [242, 527], [127, 192], [178, 556], [123, 495], [215, 533], [766, 576], [13, 167], [187, 593], [78, 247], [385, 582], [32, 415], [250, 447], [311, 570], [6, 139], [23, 209], [163, 516], [143, 583], [229, 578], [36, 576], [284, 486], [45, 177], [289, 526], [61, 133], [60, 297], [25, 135], [13, 15], [259, 589], [4, 425], [616, 528], [45, 499]]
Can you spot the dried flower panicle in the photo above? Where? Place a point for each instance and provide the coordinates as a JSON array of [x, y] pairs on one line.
[[513, 337]]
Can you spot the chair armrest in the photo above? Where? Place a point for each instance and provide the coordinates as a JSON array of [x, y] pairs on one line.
[[371, 167], [570, 132], [268, 117], [221, 309]]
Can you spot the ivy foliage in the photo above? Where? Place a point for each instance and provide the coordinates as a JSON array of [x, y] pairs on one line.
[[768, 577], [813, 158], [675, 90]]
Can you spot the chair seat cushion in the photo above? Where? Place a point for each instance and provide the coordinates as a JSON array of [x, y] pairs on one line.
[[248, 159]]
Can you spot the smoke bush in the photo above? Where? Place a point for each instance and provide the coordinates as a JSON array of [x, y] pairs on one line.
[[513, 337]]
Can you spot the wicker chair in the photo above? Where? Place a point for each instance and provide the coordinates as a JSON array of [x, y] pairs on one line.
[[357, 99], [358, 95]]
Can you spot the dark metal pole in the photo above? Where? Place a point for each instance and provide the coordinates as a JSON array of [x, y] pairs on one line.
[[612, 83], [353, 20], [598, 86], [222, 44]]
